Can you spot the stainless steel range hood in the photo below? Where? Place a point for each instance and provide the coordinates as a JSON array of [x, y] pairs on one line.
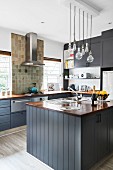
[[31, 51]]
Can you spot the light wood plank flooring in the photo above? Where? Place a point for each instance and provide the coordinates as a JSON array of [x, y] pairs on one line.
[[13, 155]]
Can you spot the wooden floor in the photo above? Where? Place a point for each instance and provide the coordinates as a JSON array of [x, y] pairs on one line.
[[13, 155]]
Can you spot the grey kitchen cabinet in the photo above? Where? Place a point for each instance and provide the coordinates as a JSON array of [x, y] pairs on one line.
[[96, 52], [18, 119], [89, 157], [107, 48], [102, 134], [95, 138], [111, 130], [4, 114], [107, 52]]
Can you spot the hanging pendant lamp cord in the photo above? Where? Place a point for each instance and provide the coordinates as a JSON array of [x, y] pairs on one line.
[[87, 28], [79, 26], [74, 21], [90, 32], [83, 27], [70, 23]]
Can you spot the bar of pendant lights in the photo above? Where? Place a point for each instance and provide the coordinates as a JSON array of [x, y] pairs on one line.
[[80, 28]]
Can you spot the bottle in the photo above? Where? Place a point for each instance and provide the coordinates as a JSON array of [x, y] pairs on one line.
[[94, 97]]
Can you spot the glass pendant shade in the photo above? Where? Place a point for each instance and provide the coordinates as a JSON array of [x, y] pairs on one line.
[[87, 48], [83, 51], [78, 54], [90, 58]]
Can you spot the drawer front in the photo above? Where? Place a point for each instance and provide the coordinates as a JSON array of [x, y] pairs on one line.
[[4, 111], [5, 118], [4, 126], [4, 103], [18, 119]]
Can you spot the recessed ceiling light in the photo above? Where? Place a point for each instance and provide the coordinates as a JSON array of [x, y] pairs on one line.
[[42, 22], [109, 23]]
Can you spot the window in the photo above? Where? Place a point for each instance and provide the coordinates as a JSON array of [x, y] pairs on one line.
[[5, 72], [52, 72]]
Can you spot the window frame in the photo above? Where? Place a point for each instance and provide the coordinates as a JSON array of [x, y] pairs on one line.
[[8, 53], [52, 60]]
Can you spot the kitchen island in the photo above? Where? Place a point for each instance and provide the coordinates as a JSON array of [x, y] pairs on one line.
[[69, 139]]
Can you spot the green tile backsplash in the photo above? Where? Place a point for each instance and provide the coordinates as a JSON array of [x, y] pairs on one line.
[[24, 76]]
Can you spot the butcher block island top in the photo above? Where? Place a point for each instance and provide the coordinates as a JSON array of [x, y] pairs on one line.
[[71, 107]]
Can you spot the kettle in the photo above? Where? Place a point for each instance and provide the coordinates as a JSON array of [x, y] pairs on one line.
[[33, 89]]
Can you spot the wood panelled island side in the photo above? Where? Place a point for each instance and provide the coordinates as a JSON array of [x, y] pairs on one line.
[[69, 139]]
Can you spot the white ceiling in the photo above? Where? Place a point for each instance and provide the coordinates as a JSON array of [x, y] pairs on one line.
[[27, 15]]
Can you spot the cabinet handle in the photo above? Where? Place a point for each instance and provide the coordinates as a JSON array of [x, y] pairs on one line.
[[97, 118]]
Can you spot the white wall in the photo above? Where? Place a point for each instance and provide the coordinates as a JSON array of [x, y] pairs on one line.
[[52, 49], [5, 38]]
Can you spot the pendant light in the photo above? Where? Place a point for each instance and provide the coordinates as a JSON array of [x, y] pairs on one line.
[[90, 58], [79, 54], [87, 48], [74, 43], [83, 50], [69, 48]]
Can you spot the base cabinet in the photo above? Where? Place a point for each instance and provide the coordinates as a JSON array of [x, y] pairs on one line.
[[18, 119], [111, 130], [89, 157], [4, 115], [95, 138], [72, 142], [101, 134]]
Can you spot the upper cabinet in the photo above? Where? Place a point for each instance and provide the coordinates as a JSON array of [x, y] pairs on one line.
[[96, 51], [102, 50], [107, 49]]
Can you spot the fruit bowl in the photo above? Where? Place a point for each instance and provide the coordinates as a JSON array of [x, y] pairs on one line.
[[103, 97]]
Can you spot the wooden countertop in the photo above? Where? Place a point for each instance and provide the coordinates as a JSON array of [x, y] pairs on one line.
[[46, 93], [85, 107]]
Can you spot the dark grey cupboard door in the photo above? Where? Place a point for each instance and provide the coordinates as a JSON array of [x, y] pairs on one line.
[[107, 52], [18, 119], [96, 52], [89, 157], [102, 142], [111, 129]]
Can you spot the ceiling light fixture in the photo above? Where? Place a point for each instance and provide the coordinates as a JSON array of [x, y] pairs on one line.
[[83, 50], [69, 48], [90, 58], [79, 54], [74, 43], [87, 48]]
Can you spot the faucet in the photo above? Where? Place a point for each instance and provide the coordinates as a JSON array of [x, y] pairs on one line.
[[69, 88]]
